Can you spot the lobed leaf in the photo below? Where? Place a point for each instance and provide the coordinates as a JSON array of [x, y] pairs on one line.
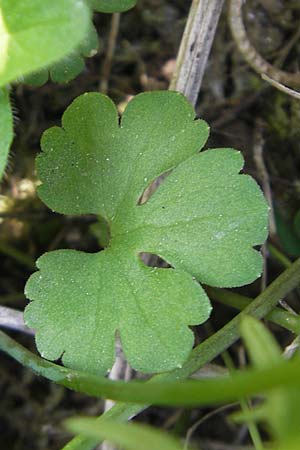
[[204, 220], [70, 66], [111, 291], [34, 34]]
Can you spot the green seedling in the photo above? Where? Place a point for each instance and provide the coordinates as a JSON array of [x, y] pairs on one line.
[[203, 220]]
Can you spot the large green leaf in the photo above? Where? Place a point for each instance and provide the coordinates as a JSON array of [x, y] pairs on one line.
[[111, 6], [6, 128], [129, 436], [35, 33], [204, 220]]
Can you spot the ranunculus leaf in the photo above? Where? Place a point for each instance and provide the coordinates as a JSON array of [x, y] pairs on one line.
[[36, 33], [203, 220]]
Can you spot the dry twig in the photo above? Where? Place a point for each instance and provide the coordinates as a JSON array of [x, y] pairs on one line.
[[281, 87], [195, 47], [13, 319], [107, 64], [250, 54]]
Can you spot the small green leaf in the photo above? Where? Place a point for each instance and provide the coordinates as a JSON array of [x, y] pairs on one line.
[[70, 66], [67, 69], [112, 6], [204, 220], [34, 34], [6, 128], [130, 436], [262, 347], [37, 79]]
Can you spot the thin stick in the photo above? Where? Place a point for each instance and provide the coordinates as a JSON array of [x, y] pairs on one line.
[[203, 419], [250, 54], [281, 87], [13, 319], [107, 64], [120, 371], [258, 149], [195, 47]]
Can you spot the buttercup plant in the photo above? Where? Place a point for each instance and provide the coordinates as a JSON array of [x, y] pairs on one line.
[[203, 220], [206, 220]]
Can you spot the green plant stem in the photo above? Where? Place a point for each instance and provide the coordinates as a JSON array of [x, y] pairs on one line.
[[202, 354], [279, 256], [251, 425], [164, 390], [283, 318], [19, 256]]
